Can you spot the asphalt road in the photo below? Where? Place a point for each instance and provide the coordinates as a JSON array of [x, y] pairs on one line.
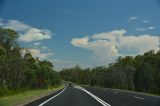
[[123, 98], [77, 96]]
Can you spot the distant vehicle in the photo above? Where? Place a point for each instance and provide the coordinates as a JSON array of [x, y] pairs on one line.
[[69, 83]]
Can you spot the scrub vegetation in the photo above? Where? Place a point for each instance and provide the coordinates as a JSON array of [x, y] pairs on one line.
[[140, 73], [20, 71]]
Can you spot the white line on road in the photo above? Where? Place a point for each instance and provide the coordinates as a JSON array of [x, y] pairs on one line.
[[139, 97], [115, 92], [94, 96], [52, 97]]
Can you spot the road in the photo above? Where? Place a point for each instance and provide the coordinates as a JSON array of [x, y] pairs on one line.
[[87, 96]]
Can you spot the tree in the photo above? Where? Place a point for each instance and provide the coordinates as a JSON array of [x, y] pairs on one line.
[[19, 71]]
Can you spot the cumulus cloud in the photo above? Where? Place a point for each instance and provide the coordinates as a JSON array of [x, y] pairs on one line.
[[35, 34], [80, 42], [27, 33], [132, 45], [109, 45], [110, 35], [30, 35]]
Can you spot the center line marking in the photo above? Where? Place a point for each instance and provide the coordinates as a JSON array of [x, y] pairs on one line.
[[139, 97], [93, 96]]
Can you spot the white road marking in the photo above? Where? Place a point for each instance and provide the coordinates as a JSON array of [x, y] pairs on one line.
[[115, 92], [94, 96], [139, 97], [52, 97]]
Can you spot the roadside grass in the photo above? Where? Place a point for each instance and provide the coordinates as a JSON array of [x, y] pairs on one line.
[[27, 96]]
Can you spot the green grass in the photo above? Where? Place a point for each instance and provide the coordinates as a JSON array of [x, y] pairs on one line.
[[25, 97]]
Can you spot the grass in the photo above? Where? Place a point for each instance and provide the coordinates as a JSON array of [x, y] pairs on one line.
[[25, 97]]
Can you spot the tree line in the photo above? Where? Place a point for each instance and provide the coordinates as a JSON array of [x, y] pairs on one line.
[[19, 71], [140, 73]]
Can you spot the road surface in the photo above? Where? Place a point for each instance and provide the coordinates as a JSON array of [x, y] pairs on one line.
[[87, 96]]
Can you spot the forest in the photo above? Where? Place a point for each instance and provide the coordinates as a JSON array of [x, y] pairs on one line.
[[140, 73], [21, 71]]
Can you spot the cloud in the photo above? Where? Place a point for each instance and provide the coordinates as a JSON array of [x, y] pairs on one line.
[[80, 42], [145, 21], [108, 46], [30, 35], [152, 27], [35, 34], [144, 29], [59, 64], [27, 33], [133, 18], [138, 44], [38, 53], [110, 35], [16, 25]]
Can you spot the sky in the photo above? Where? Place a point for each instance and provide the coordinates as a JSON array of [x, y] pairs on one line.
[[86, 32]]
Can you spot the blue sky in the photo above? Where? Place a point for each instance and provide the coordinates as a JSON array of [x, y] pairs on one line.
[[85, 32]]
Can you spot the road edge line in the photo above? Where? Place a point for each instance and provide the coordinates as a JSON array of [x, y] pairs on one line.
[[52, 97]]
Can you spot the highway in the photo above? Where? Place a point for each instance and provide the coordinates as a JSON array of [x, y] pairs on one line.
[[88, 96]]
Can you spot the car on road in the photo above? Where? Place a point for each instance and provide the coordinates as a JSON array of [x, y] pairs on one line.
[[69, 83]]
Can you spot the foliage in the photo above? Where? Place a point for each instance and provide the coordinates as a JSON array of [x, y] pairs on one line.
[[19, 71], [140, 73]]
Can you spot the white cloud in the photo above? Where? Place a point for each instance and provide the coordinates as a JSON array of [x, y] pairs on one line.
[[132, 45], [80, 42], [110, 35], [38, 53], [30, 34], [152, 27], [109, 45], [144, 29], [27, 33], [16, 25], [35, 34], [145, 21], [133, 18], [59, 64]]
